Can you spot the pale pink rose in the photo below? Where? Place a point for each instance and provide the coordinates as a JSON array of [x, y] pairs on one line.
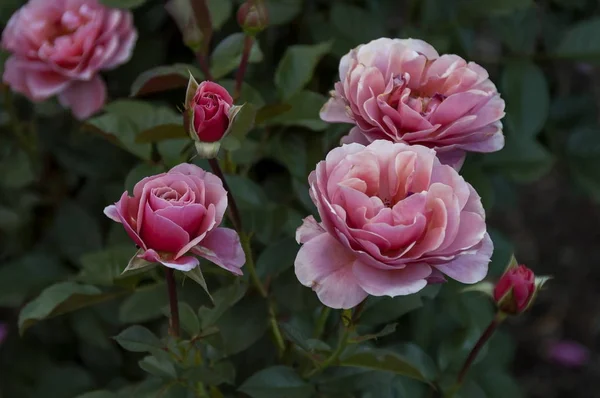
[[404, 91], [59, 46], [176, 213], [392, 217]]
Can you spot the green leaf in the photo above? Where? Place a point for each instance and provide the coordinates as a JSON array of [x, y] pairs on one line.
[[345, 18], [277, 257], [247, 191], [59, 299], [583, 154], [580, 41], [138, 339], [144, 305], [162, 78], [283, 11], [276, 382], [189, 320], [290, 150], [247, 94], [127, 4], [241, 122], [304, 108], [388, 329], [228, 53], [492, 7], [16, 170], [350, 380], [243, 324], [527, 98], [408, 360], [75, 232], [98, 394], [270, 111], [158, 367], [196, 275], [162, 133], [380, 310], [522, 158], [139, 172], [103, 267], [297, 66], [223, 299], [126, 119], [220, 11]]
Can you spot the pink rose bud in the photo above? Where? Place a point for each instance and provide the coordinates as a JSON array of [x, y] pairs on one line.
[[209, 109], [393, 219], [515, 289], [253, 17], [58, 48], [404, 91], [177, 213]]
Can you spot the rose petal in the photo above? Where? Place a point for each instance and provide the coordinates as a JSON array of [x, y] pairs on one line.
[[84, 97], [392, 283], [222, 247], [185, 263]]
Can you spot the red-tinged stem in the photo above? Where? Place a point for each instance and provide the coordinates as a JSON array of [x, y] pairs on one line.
[[203, 62], [234, 213], [172, 288], [239, 79], [479, 345]]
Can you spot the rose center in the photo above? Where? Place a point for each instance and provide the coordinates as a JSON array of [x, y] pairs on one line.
[[168, 194]]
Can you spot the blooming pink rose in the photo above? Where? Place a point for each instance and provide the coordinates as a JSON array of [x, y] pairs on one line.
[[515, 289], [403, 91], [58, 47], [211, 104], [392, 217], [178, 212]]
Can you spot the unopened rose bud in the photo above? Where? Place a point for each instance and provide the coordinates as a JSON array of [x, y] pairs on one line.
[[516, 289], [252, 16], [207, 115]]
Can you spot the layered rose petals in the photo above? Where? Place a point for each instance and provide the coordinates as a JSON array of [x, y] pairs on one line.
[[403, 91], [59, 46], [176, 213], [393, 218]]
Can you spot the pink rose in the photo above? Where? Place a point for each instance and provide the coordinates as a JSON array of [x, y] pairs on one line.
[[58, 47], [392, 217], [403, 91], [177, 212], [515, 290], [211, 104]]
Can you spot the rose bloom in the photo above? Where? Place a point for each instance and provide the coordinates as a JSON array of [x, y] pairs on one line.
[[211, 104], [404, 91], [515, 289], [58, 47], [393, 218], [177, 212]]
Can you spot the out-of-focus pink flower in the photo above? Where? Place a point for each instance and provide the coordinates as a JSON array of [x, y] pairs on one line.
[[392, 216], [515, 289], [177, 212], [568, 353], [59, 46], [404, 91], [3, 332]]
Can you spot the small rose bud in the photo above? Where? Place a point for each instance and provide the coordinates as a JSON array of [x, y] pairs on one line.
[[183, 14], [514, 290], [252, 16], [207, 115]]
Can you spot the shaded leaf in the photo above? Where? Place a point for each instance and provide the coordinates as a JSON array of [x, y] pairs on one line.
[[228, 53], [158, 367], [138, 339], [276, 382], [223, 299], [387, 329], [162, 78], [220, 11], [143, 305], [243, 324], [277, 257], [580, 41], [162, 133], [304, 112], [189, 320], [297, 66]]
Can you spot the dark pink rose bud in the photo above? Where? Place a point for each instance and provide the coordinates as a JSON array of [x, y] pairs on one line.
[[209, 111], [515, 290], [252, 16]]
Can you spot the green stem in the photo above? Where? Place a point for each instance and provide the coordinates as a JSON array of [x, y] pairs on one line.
[[245, 240], [332, 359], [321, 322], [28, 142], [279, 342]]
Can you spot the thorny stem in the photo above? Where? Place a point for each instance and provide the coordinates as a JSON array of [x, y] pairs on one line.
[[234, 213], [239, 78], [172, 288], [500, 316], [332, 359], [321, 322]]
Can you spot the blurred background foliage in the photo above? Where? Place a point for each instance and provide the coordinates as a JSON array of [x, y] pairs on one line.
[[58, 252]]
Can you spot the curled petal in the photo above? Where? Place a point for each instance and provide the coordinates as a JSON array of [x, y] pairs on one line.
[[222, 247], [185, 263]]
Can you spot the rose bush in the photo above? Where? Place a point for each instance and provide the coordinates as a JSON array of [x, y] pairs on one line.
[[392, 217], [58, 48], [178, 212], [402, 90]]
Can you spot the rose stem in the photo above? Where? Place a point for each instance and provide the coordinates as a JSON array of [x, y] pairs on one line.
[[239, 78], [234, 213], [498, 318], [203, 62], [172, 288]]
